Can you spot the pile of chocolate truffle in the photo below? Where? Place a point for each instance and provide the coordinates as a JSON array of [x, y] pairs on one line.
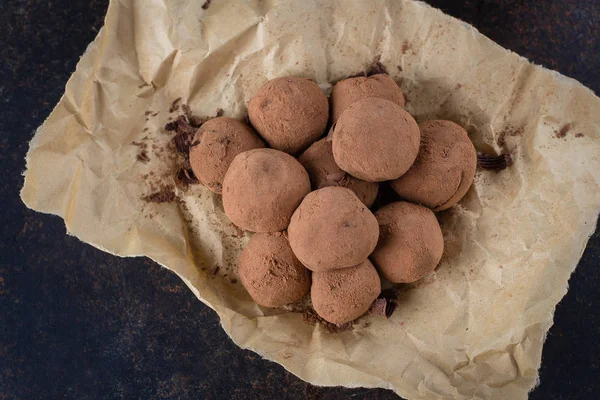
[[307, 197]]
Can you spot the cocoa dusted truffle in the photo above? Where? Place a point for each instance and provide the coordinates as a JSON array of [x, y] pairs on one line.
[[323, 171], [342, 295], [214, 147], [332, 229], [444, 169], [350, 90], [289, 113], [410, 242], [270, 272], [375, 140], [262, 188]]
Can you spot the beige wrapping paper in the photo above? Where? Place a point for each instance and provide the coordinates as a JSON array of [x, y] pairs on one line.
[[472, 330]]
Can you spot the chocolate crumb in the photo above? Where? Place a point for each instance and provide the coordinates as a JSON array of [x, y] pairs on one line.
[[148, 113], [399, 68], [234, 281], [165, 195], [563, 131], [219, 112], [143, 157], [312, 318], [217, 269], [155, 114], [509, 131], [146, 129], [175, 105], [579, 135], [206, 4], [492, 162]]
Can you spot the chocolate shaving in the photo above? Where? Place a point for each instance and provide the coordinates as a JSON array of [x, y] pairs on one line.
[[311, 317], [185, 133], [171, 126], [143, 156], [182, 142], [165, 195], [383, 307], [377, 67], [175, 105], [563, 131], [579, 135], [186, 177], [496, 163], [196, 122], [206, 4]]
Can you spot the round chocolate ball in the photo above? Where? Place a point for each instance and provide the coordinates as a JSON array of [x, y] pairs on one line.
[[444, 169], [289, 113], [215, 145], [375, 140], [350, 90], [342, 295], [332, 229], [323, 172], [262, 188], [410, 242], [270, 272]]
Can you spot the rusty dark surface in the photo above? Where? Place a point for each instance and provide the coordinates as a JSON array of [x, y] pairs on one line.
[[78, 323]]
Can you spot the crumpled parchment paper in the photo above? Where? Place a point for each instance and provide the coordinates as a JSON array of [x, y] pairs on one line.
[[472, 330]]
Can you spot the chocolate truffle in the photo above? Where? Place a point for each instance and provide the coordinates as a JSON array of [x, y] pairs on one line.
[[332, 229], [444, 169], [323, 171], [289, 113], [350, 90], [262, 188], [342, 295], [214, 147], [410, 242], [270, 272], [375, 140]]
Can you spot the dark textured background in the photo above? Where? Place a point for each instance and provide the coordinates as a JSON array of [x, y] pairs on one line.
[[79, 323]]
